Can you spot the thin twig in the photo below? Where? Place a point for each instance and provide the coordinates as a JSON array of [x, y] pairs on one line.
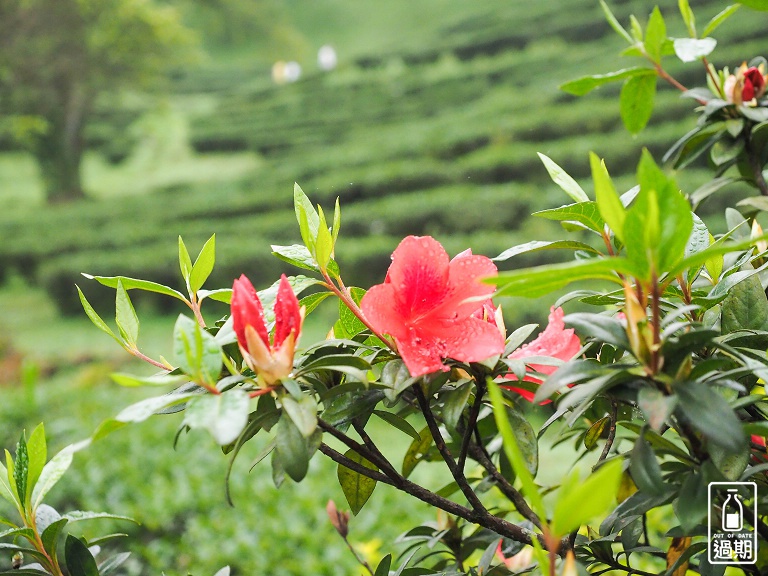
[[471, 423], [458, 475]]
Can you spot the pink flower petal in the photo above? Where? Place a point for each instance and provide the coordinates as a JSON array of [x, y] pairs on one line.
[[466, 294], [247, 311], [380, 308], [419, 274], [287, 313]]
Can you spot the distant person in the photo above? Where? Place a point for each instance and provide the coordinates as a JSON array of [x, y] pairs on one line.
[[326, 58]]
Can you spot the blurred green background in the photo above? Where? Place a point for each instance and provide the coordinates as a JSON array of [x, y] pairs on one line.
[[428, 124]]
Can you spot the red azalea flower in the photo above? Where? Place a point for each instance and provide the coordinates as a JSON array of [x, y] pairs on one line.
[[754, 84], [556, 341], [428, 303], [272, 361]]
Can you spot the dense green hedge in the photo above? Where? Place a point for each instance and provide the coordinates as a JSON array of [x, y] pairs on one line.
[[435, 139]]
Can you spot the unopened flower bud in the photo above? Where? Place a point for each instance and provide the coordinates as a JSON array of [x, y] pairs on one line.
[[339, 519]]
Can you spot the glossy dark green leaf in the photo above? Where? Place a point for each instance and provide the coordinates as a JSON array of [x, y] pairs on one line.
[[383, 568], [454, 403], [417, 451], [604, 328], [710, 414], [527, 441], [50, 535], [357, 488], [292, 449], [570, 373], [645, 469], [745, 307], [79, 559], [398, 422], [302, 412], [691, 505], [730, 464], [345, 408], [21, 470], [396, 378]]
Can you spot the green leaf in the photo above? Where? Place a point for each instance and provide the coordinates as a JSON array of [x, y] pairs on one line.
[[336, 222], [5, 486], [356, 487], [383, 568], [143, 409], [417, 451], [324, 243], [196, 351], [303, 413], [185, 262], [513, 452], [537, 245], [645, 469], [745, 307], [268, 295], [541, 280], [688, 17], [730, 464], [595, 432], [579, 501], [586, 84], [710, 414], [95, 318], [604, 328], [691, 49], [125, 316], [396, 378], [526, 440], [563, 179], [655, 35], [615, 23], [718, 19], [656, 407], [50, 536], [296, 255], [203, 265], [291, 449], [37, 454], [636, 102], [11, 479], [454, 403], [608, 201], [302, 203], [134, 284], [21, 471], [79, 559], [223, 415], [691, 506], [398, 422], [162, 379], [313, 301], [755, 4], [585, 213], [351, 323], [80, 515], [220, 295], [54, 470]]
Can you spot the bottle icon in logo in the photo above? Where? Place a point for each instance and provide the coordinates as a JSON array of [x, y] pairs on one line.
[[733, 512]]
